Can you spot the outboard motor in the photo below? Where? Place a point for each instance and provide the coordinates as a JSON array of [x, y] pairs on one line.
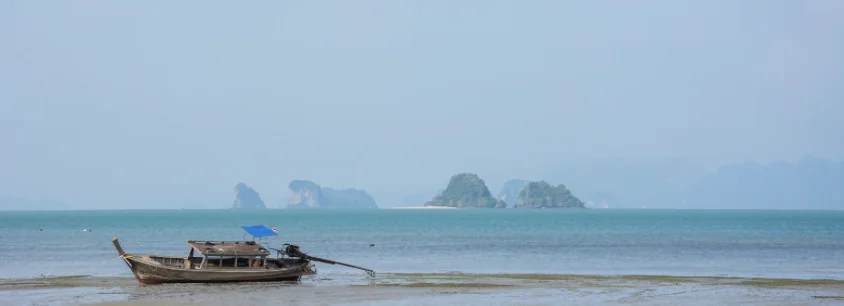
[[293, 250]]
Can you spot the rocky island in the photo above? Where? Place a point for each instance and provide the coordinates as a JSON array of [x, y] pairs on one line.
[[510, 190], [543, 195], [466, 190], [247, 198], [307, 194]]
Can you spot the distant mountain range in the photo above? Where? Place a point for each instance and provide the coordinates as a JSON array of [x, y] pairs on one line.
[[810, 183]]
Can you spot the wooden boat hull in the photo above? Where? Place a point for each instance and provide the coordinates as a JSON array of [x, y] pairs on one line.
[[150, 271]]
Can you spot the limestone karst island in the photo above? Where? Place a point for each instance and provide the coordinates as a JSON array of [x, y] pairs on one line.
[[306, 194], [464, 190], [247, 198], [467, 190]]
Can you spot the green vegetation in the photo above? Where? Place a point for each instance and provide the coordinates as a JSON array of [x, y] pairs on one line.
[[543, 195], [785, 282], [466, 190]]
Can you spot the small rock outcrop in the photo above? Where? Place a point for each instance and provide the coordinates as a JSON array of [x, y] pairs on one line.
[[510, 190], [543, 195], [247, 198], [307, 194], [466, 190]]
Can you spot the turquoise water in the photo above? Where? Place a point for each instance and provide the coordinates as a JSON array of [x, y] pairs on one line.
[[796, 244]]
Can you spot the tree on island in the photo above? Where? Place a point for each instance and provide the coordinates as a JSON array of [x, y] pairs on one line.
[[466, 190], [543, 195]]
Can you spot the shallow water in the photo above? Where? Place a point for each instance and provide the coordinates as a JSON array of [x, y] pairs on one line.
[[431, 289], [790, 244]]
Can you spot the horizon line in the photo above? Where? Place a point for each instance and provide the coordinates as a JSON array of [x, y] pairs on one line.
[[414, 208]]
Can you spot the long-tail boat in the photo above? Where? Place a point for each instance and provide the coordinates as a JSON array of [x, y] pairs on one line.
[[226, 262]]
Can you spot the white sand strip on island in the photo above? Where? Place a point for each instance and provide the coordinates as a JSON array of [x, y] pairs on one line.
[[422, 207]]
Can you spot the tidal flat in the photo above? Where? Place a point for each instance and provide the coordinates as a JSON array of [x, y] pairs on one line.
[[433, 289]]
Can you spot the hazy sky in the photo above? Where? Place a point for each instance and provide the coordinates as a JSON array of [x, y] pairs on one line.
[[171, 103]]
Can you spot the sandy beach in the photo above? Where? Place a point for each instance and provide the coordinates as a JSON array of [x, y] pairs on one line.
[[433, 289]]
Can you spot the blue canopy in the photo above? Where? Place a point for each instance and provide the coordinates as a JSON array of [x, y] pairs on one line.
[[259, 231]]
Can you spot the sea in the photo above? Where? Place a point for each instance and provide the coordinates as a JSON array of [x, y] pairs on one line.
[[743, 243]]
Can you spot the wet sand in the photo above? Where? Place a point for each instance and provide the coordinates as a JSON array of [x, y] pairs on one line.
[[432, 289]]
